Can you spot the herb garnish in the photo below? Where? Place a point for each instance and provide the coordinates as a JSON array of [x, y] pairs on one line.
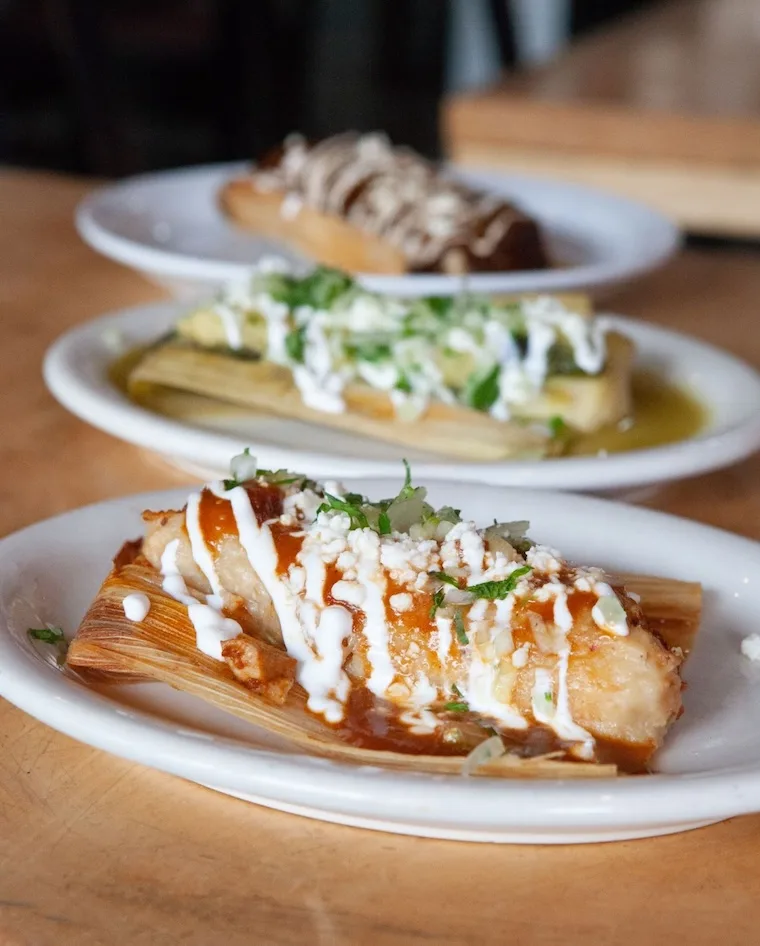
[[459, 627], [442, 576], [438, 602], [457, 706], [53, 636], [440, 305], [356, 499], [493, 590], [48, 635], [384, 523], [352, 510], [557, 427], [295, 344], [481, 392], [319, 290], [370, 351], [407, 477]]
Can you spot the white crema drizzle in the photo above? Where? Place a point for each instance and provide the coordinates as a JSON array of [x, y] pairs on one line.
[[482, 668]]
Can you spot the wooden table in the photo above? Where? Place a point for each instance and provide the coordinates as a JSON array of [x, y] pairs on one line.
[[94, 849], [663, 106]]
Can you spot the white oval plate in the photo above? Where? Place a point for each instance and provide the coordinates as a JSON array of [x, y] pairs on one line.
[[76, 372], [168, 226], [709, 769]]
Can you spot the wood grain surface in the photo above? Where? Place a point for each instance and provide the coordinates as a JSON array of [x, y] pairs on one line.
[[96, 850], [662, 106]]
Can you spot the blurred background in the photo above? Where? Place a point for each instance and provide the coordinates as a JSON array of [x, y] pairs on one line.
[[121, 86]]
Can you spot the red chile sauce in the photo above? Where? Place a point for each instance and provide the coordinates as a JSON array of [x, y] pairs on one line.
[[217, 519], [287, 542], [371, 723], [358, 617]]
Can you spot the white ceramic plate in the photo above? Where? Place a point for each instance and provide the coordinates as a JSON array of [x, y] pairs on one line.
[[76, 373], [168, 226], [709, 770]]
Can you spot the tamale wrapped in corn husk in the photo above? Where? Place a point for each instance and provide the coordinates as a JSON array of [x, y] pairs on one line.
[[162, 647]]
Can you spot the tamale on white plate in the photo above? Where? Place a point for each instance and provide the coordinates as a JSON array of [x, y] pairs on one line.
[[708, 770]]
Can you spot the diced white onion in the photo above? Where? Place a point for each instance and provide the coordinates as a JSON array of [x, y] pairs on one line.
[[491, 748], [457, 595], [511, 530], [243, 467], [443, 529], [403, 513], [503, 643], [609, 614], [409, 407], [497, 543], [504, 684]]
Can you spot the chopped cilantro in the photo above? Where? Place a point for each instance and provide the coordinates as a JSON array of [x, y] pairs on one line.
[[458, 704], [442, 576], [282, 478], [281, 287], [230, 484], [352, 510], [48, 635], [407, 490], [323, 286], [449, 514], [295, 343], [440, 305], [481, 391], [408, 476], [356, 499], [438, 601], [498, 589], [319, 289], [53, 636], [557, 427], [404, 385], [459, 627], [369, 351], [548, 697]]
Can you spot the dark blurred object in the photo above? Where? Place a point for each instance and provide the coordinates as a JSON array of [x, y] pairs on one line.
[[113, 87]]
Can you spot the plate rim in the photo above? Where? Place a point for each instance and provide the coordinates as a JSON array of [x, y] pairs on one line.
[[169, 264], [169, 436], [679, 799]]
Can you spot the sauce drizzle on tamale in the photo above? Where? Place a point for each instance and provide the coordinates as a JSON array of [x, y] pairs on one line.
[[216, 519], [288, 543], [266, 500]]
